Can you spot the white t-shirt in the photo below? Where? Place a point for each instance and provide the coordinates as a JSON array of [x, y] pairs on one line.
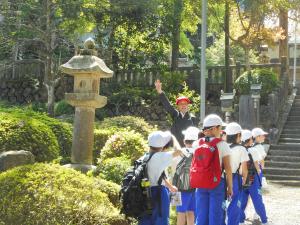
[[157, 164], [238, 154], [255, 154], [261, 150]]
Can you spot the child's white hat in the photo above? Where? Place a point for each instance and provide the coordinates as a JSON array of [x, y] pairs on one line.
[[246, 134], [257, 132], [233, 128], [159, 139], [191, 133]]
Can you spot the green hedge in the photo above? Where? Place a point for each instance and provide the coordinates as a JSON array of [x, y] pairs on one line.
[[51, 194], [19, 132], [128, 122], [266, 77], [114, 169], [128, 144]]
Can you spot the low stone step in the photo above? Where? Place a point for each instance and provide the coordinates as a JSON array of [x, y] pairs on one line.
[[291, 165], [291, 135], [294, 118], [284, 153], [289, 140], [281, 177], [294, 113], [292, 123], [292, 183], [284, 159], [285, 147], [282, 171]]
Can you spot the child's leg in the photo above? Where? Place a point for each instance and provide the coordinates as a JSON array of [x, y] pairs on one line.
[[244, 201], [181, 220], [216, 198], [233, 211], [190, 217], [202, 206], [256, 196]]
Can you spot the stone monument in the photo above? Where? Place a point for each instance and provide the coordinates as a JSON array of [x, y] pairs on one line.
[[87, 70]]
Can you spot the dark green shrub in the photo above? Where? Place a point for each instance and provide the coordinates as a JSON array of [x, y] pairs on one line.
[[173, 82], [266, 77], [137, 124], [114, 169], [127, 144], [61, 130], [51, 194], [62, 107], [19, 132]]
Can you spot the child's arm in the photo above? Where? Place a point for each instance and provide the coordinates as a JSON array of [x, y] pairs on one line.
[[169, 185]]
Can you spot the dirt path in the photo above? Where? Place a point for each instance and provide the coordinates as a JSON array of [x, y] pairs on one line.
[[282, 205]]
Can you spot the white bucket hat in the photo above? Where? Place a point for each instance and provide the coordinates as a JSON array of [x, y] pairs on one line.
[[257, 132], [233, 128], [191, 133]]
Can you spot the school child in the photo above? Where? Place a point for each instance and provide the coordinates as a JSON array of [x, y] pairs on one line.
[[238, 161], [181, 179], [182, 118], [254, 190], [155, 167], [206, 173], [259, 137]]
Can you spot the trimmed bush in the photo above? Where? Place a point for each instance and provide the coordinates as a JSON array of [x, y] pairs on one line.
[[109, 188], [126, 144], [51, 194], [114, 169], [266, 77], [62, 108], [129, 122], [19, 132]]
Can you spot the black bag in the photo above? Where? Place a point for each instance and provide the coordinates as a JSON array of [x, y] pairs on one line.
[[251, 173], [181, 178], [135, 193]]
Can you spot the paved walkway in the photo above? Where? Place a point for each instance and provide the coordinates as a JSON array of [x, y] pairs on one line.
[[282, 205]]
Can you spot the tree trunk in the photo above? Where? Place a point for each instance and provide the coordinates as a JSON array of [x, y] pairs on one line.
[[283, 43], [178, 8], [51, 98], [228, 77], [247, 59]]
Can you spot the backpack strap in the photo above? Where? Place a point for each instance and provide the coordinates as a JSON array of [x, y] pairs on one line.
[[251, 159]]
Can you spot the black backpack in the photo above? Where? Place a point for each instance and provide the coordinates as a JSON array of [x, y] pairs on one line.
[[135, 193], [181, 178], [252, 172]]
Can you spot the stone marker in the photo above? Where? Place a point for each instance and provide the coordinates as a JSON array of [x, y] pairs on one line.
[[246, 112], [11, 159], [87, 70]]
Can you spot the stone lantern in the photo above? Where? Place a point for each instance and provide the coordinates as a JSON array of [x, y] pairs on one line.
[[227, 104], [87, 70]]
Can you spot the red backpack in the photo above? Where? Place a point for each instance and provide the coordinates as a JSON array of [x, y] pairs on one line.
[[205, 170]]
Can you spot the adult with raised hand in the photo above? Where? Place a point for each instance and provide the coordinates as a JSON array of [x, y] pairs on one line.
[[182, 118]]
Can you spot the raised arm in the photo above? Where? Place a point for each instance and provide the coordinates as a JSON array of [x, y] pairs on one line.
[[164, 100]]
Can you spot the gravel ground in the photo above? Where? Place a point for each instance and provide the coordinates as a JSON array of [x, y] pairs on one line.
[[282, 205]]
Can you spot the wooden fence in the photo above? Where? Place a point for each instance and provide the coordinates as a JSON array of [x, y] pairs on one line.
[[146, 78]]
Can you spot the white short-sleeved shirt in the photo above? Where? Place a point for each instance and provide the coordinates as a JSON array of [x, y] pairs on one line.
[[261, 150], [157, 164], [238, 154], [255, 154]]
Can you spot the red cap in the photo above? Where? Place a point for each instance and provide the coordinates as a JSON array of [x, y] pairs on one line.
[[181, 99]]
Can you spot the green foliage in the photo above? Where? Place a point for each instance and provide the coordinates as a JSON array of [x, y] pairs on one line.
[[266, 77], [110, 188], [136, 124], [51, 194], [18, 132], [114, 169], [173, 81], [128, 144], [61, 130], [62, 107]]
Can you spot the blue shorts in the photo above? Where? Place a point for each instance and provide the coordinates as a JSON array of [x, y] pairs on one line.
[[188, 202]]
